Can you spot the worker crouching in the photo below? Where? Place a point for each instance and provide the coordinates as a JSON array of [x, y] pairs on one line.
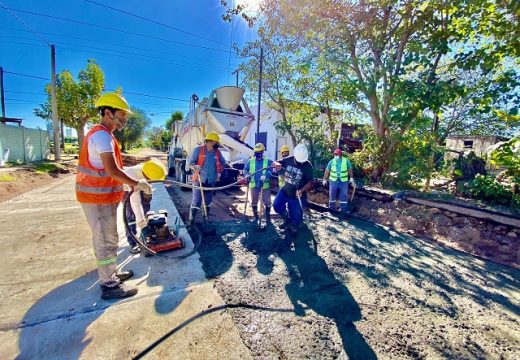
[[259, 183], [338, 171], [207, 164], [139, 200], [297, 172]]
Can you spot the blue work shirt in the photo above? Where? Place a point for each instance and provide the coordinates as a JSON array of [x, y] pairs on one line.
[[259, 164], [338, 166], [208, 170]]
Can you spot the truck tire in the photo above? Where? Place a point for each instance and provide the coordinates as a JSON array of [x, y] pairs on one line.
[[182, 175], [171, 167]]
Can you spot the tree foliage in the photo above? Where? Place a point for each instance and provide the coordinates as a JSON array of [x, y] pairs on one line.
[[75, 98], [133, 133], [417, 70]]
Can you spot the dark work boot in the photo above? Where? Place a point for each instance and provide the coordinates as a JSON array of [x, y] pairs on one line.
[[193, 214], [255, 212], [268, 214], [285, 222], [118, 291], [124, 275]]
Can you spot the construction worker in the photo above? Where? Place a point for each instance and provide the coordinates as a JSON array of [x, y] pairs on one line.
[[298, 177], [207, 164], [259, 182], [285, 153], [139, 201], [99, 189], [337, 173]]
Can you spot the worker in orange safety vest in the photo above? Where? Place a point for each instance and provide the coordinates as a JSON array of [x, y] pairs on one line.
[[99, 189]]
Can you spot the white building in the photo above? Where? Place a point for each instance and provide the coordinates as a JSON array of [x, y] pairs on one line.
[[268, 135]]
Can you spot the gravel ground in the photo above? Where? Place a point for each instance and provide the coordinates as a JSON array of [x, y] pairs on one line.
[[352, 289]]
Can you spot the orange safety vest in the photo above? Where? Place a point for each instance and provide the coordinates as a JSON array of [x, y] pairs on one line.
[[93, 185], [201, 159]]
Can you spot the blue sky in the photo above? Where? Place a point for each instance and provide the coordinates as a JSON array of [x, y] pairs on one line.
[[138, 64]]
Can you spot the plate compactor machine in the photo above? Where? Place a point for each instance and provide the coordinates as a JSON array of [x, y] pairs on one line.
[[157, 236]]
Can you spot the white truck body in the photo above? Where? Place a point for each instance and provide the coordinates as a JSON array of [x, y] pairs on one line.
[[224, 111]]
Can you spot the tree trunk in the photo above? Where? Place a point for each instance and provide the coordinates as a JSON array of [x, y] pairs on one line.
[[81, 135]]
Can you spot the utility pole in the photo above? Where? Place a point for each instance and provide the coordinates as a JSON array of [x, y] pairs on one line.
[[2, 90], [259, 94], [55, 118], [236, 72]]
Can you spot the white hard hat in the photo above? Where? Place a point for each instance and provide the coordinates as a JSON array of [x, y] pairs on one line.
[[301, 154]]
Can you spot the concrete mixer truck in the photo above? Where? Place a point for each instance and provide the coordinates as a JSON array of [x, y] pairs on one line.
[[224, 111]]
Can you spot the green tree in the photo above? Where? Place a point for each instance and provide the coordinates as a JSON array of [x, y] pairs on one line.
[[158, 138], [175, 116], [76, 98], [134, 130], [402, 64]]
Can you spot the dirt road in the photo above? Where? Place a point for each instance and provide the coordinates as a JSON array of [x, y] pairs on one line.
[[357, 290]]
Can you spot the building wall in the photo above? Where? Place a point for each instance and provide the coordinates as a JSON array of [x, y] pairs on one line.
[[24, 144], [274, 140], [478, 144]]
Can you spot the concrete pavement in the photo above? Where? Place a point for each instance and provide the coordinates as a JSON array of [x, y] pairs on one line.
[[50, 305]]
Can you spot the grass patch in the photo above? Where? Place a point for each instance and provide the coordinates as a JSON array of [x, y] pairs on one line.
[[7, 178], [45, 167]]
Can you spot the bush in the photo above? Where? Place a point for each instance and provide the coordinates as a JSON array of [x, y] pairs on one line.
[[488, 189]]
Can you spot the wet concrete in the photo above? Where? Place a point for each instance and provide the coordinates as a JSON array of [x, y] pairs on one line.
[[50, 306]]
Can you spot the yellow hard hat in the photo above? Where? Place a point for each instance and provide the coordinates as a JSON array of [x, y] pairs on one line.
[[113, 100], [154, 170], [213, 136], [259, 147], [284, 148]]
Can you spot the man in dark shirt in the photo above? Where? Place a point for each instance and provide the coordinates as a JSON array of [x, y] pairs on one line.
[[297, 173]]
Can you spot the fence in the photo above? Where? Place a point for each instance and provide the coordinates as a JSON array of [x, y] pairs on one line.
[[24, 144]]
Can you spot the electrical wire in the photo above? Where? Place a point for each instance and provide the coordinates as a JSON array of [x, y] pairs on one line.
[[26, 75], [116, 44], [118, 54], [154, 22], [25, 24], [117, 30]]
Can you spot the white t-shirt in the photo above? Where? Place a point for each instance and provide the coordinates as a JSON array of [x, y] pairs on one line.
[[100, 142]]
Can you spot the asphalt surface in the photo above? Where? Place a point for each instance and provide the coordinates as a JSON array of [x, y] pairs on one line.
[[353, 289]]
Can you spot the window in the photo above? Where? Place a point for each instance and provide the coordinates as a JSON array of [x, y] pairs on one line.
[[468, 144]]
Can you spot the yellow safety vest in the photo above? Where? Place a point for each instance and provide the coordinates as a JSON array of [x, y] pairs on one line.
[[252, 169], [343, 173]]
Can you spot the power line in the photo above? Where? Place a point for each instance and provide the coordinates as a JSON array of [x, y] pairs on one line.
[[155, 22], [118, 53], [26, 75], [134, 57], [21, 100], [117, 30], [23, 92], [113, 44], [24, 24]]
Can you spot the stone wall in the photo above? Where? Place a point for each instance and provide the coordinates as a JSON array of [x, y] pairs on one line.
[[483, 238]]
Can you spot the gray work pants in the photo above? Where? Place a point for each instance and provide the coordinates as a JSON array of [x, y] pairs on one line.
[[255, 194], [102, 220]]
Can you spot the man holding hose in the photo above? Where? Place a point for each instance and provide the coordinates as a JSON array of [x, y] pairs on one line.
[[207, 164]]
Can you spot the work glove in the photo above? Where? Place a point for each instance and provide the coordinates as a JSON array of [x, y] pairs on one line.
[[353, 183], [142, 224], [262, 178], [277, 166], [324, 182], [143, 186]]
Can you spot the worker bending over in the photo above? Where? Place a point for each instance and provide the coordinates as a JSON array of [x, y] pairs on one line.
[[99, 189], [337, 173], [259, 182], [207, 164], [297, 172], [139, 201]]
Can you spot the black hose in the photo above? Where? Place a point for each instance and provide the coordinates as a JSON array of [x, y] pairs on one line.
[[194, 228]]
